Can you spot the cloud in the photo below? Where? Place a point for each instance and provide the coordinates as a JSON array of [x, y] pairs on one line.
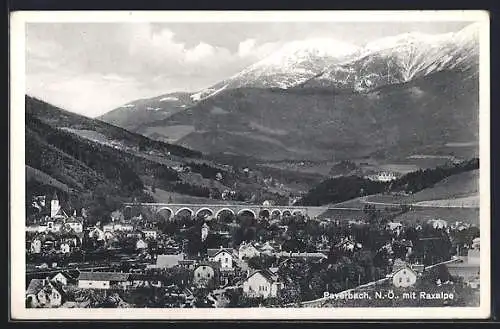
[[250, 48], [200, 52], [93, 68]]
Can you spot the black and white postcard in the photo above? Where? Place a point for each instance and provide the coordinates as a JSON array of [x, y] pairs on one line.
[[250, 165]]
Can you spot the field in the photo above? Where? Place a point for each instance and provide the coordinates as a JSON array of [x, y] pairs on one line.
[[162, 196], [170, 133], [344, 215], [467, 215]]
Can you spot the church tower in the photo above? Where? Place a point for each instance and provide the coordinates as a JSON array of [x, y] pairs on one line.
[[54, 206]]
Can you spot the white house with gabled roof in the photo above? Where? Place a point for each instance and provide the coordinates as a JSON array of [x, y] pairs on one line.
[[262, 283], [223, 256]]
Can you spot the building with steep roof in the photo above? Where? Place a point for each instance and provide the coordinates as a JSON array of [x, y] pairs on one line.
[[223, 256], [247, 250], [43, 293], [205, 273], [262, 283]]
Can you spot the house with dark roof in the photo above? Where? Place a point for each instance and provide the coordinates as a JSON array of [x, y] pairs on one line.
[[103, 280], [206, 273], [44, 293], [248, 250], [223, 256], [64, 278], [262, 283]]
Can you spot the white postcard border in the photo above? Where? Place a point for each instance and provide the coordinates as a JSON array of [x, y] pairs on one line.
[[17, 167]]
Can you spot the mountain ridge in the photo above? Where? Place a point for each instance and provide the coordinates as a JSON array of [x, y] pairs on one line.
[[310, 64]]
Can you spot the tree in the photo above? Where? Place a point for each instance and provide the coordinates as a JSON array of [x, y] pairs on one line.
[[153, 187], [290, 294], [261, 262]]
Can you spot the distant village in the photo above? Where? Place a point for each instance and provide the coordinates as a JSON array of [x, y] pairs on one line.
[[139, 260]]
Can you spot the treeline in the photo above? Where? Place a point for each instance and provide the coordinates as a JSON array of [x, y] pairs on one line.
[[341, 189], [335, 190], [61, 118], [421, 179]]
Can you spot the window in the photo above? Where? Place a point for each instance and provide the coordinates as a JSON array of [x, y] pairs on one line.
[[408, 279], [208, 275], [400, 280], [198, 274], [90, 283], [227, 260]]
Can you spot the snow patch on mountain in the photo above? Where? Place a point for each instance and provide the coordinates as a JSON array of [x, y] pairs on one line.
[[149, 108], [169, 99], [206, 93]]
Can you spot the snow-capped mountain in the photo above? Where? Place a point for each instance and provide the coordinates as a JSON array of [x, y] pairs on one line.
[[293, 64], [402, 58], [331, 63], [326, 63]]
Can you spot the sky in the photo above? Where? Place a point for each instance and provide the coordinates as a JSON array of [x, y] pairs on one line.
[[92, 68]]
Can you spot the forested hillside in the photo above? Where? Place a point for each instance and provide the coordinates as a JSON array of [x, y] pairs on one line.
[[340, 189]]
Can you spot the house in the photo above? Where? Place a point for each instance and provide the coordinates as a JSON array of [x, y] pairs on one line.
[[438, 223], [135, 234], [72, 238], [187, 264], [267, 249], [459, 226], [247, 250], [348, 244], [475, 243], [109, 235], [118, 226], [103, 280], [168, 261], [141, 244], [404, 277], [262, 283], [65, 248], [96, 233], [382, 177], [223, 256], [205, 273], [64, 278], [43, 293], [75, 224], [468, 267], [36, 245], [52, 226], [395, 227], [150, 234]]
